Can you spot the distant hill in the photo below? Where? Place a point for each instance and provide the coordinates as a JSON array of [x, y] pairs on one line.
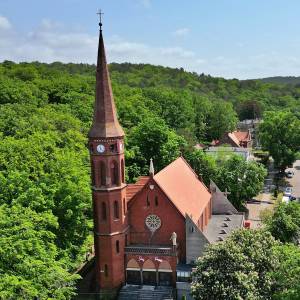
[[282, 80]]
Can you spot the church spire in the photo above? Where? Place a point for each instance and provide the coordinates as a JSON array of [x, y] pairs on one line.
[[151, 168], [105, 123]]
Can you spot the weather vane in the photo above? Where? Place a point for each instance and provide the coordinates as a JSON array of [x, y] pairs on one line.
[[100, 13]]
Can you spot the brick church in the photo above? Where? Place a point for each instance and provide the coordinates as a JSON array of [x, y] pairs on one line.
[[149, 233]]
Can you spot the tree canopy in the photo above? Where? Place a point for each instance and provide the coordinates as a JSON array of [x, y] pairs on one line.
[[238, 268], [280, 135], [45, 114]]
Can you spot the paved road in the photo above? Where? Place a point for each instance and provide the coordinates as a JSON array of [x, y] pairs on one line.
[[265, 199], [295, 181]]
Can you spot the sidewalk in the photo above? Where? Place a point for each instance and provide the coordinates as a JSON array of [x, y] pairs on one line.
[[264, 200]]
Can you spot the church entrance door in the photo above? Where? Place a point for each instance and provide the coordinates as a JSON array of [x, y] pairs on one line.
[[134, 277], [165, 278], [149, 277]]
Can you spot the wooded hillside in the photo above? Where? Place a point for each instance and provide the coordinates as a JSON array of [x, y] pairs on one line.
[[45, 114]]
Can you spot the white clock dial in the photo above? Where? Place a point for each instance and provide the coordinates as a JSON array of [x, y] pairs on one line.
[[153, 222], [100, 148]]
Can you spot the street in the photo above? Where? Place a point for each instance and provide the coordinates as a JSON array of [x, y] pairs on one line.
[[265, 201], [294, 182]]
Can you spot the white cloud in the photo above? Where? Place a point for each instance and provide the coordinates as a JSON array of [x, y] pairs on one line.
[[181, 32], [51, 41], [4, 23]]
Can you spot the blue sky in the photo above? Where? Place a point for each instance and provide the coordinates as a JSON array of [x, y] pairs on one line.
[[228, 38]]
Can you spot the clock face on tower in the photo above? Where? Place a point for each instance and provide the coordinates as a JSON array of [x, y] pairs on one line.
[[100, 148]]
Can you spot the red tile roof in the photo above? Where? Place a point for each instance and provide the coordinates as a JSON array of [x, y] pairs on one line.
[[181, 185], [233, 137], [133, 189], [183, 188], [242, 135]]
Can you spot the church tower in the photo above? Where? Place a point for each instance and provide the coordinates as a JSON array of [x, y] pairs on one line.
[[106, 145]]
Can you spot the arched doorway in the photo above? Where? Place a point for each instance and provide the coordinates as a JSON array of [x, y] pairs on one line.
[[133, 272], [165, 273], [149, 273]]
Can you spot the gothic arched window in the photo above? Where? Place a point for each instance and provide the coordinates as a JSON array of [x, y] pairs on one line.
[[118, 246], [105, 270], [103, 208], [148, 201], [114, 173], [122, 171], [116, 210], [102, 173], [156, 201], [124, 206], [93, 173]]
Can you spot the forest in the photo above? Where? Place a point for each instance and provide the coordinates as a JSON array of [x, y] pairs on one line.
[[45, 114]]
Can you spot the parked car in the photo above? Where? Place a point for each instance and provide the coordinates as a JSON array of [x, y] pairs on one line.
[[285, 199], [289, 174], [288, 191]]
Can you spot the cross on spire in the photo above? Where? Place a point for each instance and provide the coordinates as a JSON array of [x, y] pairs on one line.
[[100, 13], [226, 193]]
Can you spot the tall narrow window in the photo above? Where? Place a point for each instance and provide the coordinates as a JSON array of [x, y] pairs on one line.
[[116, 210], [156, 201], [93, 174], [114, 173], [148, 201], [102, 173], [123, 171], [126, 240], [106, 270], [118, 246], [103, 208], [124, 206]]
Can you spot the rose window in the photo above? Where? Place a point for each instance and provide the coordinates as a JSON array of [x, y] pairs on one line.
[[153, 222]]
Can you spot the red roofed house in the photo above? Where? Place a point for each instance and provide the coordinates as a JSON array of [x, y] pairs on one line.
[[149, 233], [240, 139]]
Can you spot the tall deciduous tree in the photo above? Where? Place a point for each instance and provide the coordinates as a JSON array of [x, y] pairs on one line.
[[280, 135], [238, 268], [287, 275], [204, 165], [222, 118], [152, 138], [243, 179], [29, 264], [284, 224]]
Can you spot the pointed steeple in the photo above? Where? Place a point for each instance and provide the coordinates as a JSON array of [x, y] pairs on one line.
[[151, 168], [105, 123]]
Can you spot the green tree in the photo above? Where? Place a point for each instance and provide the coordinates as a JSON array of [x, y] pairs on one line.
[[243, 179], [238, 268], [284, 224], [29, 265], [203, 164], [222, 118], [152, 138], [287, 274], [280, 135]]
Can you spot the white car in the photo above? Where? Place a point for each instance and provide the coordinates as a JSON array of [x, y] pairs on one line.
[[288, 191], [285, 199]]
